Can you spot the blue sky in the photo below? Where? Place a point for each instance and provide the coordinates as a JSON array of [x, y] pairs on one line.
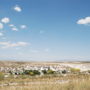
[[44, 30]]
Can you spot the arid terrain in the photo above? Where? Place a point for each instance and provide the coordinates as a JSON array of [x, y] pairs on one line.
[[44, 75]]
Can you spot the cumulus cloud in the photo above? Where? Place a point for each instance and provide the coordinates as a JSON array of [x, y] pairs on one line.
[[17, 8], [11, 25], [23, 26], [9, 44], [5, 20], [1, 34], [84, 21], [1, 26], [14, 29]]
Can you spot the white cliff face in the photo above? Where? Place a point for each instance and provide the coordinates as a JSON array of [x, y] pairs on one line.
[[82, 67]]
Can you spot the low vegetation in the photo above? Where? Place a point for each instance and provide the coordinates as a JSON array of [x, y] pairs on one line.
[[48, 82], [47, 79], [1, 76]]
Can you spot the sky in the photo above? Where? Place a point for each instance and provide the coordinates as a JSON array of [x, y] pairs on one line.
[[45, 30]]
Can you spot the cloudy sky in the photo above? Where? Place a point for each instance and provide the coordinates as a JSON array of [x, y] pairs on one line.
[[39, 30]]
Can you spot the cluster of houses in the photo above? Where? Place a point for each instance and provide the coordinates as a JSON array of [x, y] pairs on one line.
[[20, 69], [60, 68]]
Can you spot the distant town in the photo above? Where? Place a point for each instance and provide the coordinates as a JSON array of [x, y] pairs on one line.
[[34, 69]]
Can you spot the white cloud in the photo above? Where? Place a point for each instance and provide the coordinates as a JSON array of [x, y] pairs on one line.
[[9, 44], [23, 26], [1, 34], [11, 25], [14, 29], [84, 21], [1, 26], [5, 20], [17, 8]]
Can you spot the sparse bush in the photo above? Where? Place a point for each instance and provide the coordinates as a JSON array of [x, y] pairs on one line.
[[10, 72], [88, 71], [32, 72], [36, 72], [1, 76], [27, 72], [64, 72], [50, 72], [44, 71], [75, 70]]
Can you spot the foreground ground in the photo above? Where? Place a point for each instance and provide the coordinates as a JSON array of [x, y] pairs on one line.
[[69, 82], [66, 81]]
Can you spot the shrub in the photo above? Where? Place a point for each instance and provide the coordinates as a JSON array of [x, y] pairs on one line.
[[1, 75], [64, 72], [27, 72], [44, 71], [50, 72], [75, 70], [36, 72], [32, 72], [88, 71]]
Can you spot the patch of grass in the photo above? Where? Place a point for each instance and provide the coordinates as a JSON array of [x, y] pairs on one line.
[[49, 82]]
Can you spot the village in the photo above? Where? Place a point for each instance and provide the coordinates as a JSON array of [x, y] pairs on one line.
[[44, 69]]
